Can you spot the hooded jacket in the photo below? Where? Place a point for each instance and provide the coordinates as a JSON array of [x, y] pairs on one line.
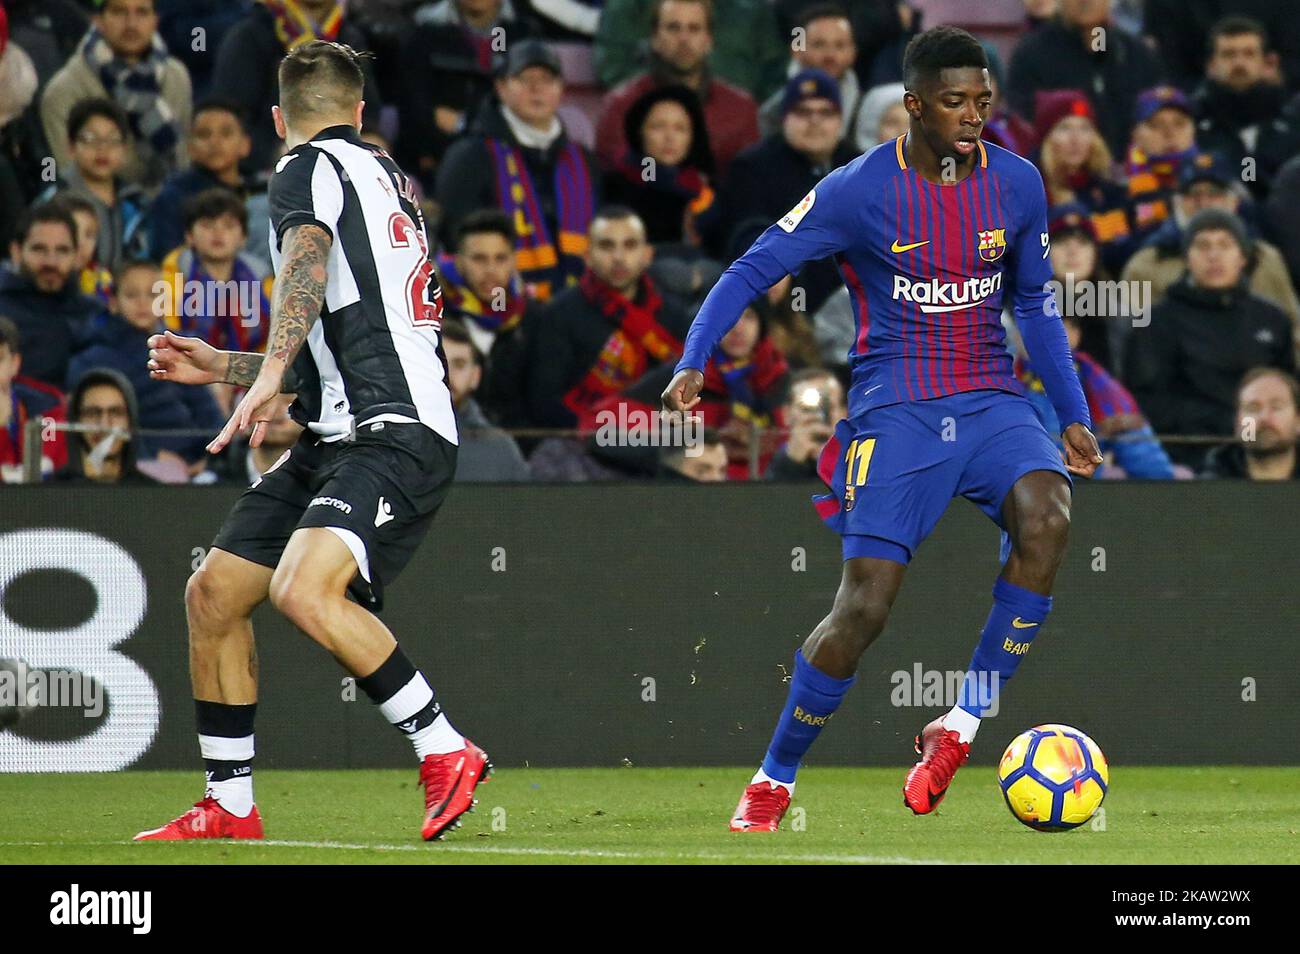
[[77, 450]]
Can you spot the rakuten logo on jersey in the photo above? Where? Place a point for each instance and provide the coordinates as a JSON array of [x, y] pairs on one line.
[[935, 296]]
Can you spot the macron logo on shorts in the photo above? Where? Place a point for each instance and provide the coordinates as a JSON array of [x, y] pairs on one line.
[[331, 502], [384, 513]]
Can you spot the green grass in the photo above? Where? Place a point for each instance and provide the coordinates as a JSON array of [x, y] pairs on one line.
[[1218, 815]]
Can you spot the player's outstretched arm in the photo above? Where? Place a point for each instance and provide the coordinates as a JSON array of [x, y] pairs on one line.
[[188, 360], [296, 302]]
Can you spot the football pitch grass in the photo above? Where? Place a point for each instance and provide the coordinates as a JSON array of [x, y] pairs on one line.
[[1219, 815]]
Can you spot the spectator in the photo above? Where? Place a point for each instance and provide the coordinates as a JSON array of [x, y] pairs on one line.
[[48, 30], [1076, 264], [179, 19], [596, 339], [218, 143], [123, 59], [1206, 183], [680, 40], [22, 400], [1077, 168], [1004, 127], [1239, 109], [39, 291], [104, 400], [737, 38], [1164, 139], [1069, 52], [768, 179], [1179, 30], [226, 301], [481, 286], [18, 137], [672, 192], [117, 340], [520, 160], [1282, 216], [98, 131], [705, 463], [486, 453], [882, 117], [250, 54], [814, 403], [826, 43], [1205, 335], [1127, 442], [447, 72], [96, 280], [1268, 425], [882, 29]]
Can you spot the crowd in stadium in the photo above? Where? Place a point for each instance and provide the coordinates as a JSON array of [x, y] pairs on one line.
[[590, 167]]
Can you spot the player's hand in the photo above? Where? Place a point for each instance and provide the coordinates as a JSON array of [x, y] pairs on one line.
[[683, 392], [185, 360], [1082, 455], [255, 410]]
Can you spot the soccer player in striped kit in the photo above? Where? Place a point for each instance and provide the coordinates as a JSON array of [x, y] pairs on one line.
[[930, 232]]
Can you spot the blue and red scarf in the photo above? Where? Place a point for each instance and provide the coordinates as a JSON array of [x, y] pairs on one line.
[[545, 264], [460, 301]]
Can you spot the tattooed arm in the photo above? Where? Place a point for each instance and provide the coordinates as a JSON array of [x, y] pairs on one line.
[[296, 302], [242, 368]]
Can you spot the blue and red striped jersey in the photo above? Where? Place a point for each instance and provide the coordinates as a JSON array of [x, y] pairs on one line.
[[927, 267]]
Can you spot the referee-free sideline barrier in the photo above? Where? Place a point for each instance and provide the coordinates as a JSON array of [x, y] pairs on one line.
[[654, 624]]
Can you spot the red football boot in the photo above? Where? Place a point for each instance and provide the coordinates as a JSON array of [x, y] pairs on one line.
[[941, 755], [449, 782], [761, 808], [207, 819]]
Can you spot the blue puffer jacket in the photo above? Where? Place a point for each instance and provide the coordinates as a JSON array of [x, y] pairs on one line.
[[112, 343]]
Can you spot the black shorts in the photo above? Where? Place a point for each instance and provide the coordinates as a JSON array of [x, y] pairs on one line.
[[384, 487]]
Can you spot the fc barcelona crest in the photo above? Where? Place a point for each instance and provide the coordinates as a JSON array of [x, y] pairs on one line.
[[993, 242]]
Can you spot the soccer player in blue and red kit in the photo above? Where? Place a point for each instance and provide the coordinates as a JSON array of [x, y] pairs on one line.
[[930, 232]]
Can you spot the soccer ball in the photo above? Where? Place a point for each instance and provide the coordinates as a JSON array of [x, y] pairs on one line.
[[1053, 777]]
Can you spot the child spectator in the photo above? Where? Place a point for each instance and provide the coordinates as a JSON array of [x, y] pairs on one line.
[[486, 452], [96, 280], [100, 138], [218, 143], [117, 340], [23, 400], [123, 59], [1163, 140]]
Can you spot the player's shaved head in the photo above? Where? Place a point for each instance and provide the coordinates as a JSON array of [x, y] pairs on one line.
[[943, 48], [320, 80]]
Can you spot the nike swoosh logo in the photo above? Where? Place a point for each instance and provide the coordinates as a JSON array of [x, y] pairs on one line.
[[1019, 623], [907, 248]]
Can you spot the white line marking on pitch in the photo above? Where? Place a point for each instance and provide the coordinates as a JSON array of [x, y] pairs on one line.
[[525, 852]]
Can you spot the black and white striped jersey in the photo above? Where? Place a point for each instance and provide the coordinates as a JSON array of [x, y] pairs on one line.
[[375, 354]]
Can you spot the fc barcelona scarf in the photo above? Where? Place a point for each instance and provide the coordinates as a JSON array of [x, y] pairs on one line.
[[215, 314], [746, 381], [459, 300], [638, 339], [545, 266], [294, 26]]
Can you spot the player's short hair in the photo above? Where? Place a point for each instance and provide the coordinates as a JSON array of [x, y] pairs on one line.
[[943, 48], [821, 11], [211, 204], [482, 221], [1235, 25], [84, 110], [320, 78], [9, 336], [1254, 374], [658, 7], [49, 211], [218, 104], [453, 329]]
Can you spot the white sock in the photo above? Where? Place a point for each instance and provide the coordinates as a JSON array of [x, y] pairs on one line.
[[962, 722], [437, 738], [761, 776], [235, 795]]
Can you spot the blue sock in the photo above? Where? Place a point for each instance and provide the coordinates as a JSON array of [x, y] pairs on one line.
[[1014, 621], [814, 697]]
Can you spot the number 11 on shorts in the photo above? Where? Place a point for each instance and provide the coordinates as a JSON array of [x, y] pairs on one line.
[[859, 452]]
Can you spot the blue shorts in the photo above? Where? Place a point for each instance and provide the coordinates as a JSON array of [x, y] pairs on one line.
[[892, 470]]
